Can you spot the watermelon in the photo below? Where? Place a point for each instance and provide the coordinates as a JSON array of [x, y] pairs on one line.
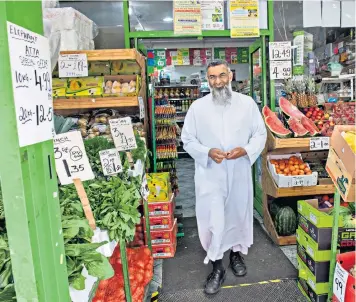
[[274, 209], [286, 221], [309, 125], [296, 126], [289, 109], [274, 124]]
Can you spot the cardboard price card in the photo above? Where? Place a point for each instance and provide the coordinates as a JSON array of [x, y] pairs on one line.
[[279, 51], [319, 143], [123, 134], [340, 281], [110, 161], [31, 76], [73, 65], [71, 159], [280, 70]]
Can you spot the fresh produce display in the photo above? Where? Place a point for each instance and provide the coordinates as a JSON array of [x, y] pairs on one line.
[[301, 92], [274, 124], [289, 109], [350, 138], [347, 214], [316, 114], [296, 126], [325, 201], [116, 87], [140, 264], [309, 126], [291, 166], [285, 221], [139, 236]]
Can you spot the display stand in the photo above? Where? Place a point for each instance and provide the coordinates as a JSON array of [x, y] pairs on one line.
[[270, 189]]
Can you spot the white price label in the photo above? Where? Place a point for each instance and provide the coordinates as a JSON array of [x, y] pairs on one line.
[[71, 159], [73, 65], [123, 134], [144, 188], [141, 107], [280, 70], [340, 281], [319, 143], [32, 84], [297, 181], [110, 161], [279, 51]]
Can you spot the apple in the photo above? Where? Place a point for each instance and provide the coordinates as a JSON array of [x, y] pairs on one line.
[[315, 113], [305, 110]]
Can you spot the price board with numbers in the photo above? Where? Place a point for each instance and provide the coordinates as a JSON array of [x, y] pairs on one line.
[[319, 143], [71, 159], [123, 134], [279, 51], [73, 65], [110, 161], [32, 84], [297, 181], [340, 281], [280, 70]]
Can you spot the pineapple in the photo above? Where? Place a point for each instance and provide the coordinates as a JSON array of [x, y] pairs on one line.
[[289, 89], [302, 98], [312, 100]]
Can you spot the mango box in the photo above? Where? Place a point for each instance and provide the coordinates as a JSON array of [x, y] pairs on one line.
[[319, 269], [343, 150], [304, 273], [159, 185], [164, 251], [161, 222], [59, 87], [309, 293], [85, 87], [341, 177], [162, 208], [164, 236], [98, 68]]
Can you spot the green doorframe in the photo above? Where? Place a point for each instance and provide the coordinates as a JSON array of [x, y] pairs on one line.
[[29, 185]]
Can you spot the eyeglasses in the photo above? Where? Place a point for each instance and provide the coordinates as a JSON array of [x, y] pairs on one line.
[[222, 76]]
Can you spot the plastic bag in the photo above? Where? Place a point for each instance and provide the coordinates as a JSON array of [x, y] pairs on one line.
[[50, 3]]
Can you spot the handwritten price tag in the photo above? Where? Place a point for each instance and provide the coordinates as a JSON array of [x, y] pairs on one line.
[[319, 143], [110, 161], [297, 181], [141, 107], [339, 284], [73, 65], [122, 133], [32, 84], [71, 159], [280, 70], [279, 51]]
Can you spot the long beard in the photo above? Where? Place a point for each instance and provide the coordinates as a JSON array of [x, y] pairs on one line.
[[222, 96]]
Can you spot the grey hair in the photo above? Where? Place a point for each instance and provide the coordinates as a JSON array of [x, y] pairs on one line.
[[217, 63]]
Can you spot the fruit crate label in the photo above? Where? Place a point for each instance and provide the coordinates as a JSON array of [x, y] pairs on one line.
[[110, 161], [319, 143], [71, 159], [123, 134], [73, 65], [31, 75], [340, 281], [160, 241], [159, 213], [280, 70], [279, 51], [162, 226], [297, 181]]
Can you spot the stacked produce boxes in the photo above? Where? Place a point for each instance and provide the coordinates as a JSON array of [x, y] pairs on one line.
[[161, 207], [314, 248]]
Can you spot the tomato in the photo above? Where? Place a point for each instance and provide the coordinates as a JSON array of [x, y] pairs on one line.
[[139, 229], [140, 264], [148, 276], [100, 294]]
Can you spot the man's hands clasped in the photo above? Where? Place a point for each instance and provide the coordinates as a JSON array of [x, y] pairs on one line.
[[218, 155]]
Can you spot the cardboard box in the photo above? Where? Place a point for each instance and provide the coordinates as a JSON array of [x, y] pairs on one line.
[[159, 237], [164, 251], [59, 87], [161, 223], [339, 173], [312, 248], [98, 68], [85, 87], [159, 185], [123, 91], [291, 181], [162, 208], [304, 273], [309, 293]]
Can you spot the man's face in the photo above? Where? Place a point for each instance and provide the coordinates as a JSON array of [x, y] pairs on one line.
[[219, 76]]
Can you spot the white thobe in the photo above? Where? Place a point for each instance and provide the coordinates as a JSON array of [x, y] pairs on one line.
[[224, 192]]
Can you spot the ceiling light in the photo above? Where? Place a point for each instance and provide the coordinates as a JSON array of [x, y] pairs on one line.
[[168, 19]]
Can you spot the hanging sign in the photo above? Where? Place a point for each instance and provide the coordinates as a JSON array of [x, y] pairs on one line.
[[244, 19], [319, 143], [73, 65], [110, 161], [212, 14], [122, 133], [141, 106], [31, 76], [187, 17], [279, 51], [340, 281], [280, 70], [71, 159]]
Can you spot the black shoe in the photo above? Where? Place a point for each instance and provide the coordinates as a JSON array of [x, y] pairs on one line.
[[237, 264], [214, 281]]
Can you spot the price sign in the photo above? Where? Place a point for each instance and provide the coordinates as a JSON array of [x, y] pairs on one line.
[[142, 107], [110, 161], [280, 70], [279, 51], [297, 181], [319, 143], [32, 84], [71, 160], [339, 284], [122, 133], [73, 65]]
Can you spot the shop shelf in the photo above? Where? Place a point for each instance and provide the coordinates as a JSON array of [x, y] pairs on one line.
[[86, 103]]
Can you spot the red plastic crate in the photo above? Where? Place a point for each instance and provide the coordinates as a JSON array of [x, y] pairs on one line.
[[347, 261], [164, 236]]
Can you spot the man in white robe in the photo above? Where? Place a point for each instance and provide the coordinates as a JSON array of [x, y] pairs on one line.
[[224, 133]]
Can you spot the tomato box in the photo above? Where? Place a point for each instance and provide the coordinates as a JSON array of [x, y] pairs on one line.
[[162, 208], [161, 222], [163, 251], [164, 236]]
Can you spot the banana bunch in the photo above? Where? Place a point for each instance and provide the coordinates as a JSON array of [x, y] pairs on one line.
[[350, 138]]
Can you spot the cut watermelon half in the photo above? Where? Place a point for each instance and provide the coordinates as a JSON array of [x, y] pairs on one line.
[[309, 125], [277, 127], [266, 111], [296, 126], [289, 109]]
